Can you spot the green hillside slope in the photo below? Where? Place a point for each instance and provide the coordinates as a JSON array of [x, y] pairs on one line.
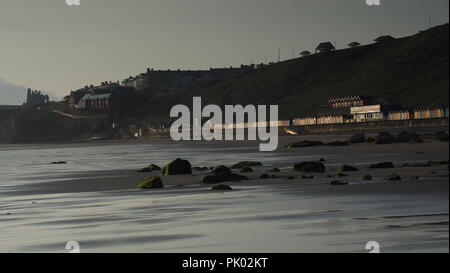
[[413, 71]]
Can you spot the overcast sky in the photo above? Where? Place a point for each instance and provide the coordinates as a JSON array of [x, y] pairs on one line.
[[47, 45]]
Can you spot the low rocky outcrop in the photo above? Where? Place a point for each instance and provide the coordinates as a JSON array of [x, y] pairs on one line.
[[338, 183], [178, 167], [357, 138], [244, 164], [393, 177], [153, 182], [384, 138], [221, 170], [346, 168], [221, 187], [382, 165], [367, 177], [304, 144], [316, 167], [408, 137], [247, 170], [338, 143]]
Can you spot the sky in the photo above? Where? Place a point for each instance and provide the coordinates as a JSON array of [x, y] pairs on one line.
[[47, 45]]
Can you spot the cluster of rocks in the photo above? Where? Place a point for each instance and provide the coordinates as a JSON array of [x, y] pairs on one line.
[[381, 138]]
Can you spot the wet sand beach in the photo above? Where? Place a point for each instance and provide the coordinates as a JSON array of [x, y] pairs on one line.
[[99, 206]]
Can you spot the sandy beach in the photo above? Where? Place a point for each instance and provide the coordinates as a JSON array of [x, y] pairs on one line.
[[102, 209]]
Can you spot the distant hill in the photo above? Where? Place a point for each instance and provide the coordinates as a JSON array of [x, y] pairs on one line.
[[11, 94], [413, 71]]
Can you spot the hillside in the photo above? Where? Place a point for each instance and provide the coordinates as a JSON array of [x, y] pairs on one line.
[[11, 94], [413, 71]]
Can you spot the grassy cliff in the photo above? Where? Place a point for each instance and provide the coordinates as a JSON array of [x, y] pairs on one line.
[[412, 71]]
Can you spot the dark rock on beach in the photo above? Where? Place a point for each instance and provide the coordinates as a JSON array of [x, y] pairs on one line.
[[244, 164], [338, 183], [264, 176], [58, 163], [393, 177], [247, 170], [153, 182], [357, 138], [150, 168], [346, 168], [275, 170], [408, 137], [383, 165], [367, 177], [305, 143], [178, 167], [221, 170], [384, 138], [221, 187], [316, 167], [306, 176]]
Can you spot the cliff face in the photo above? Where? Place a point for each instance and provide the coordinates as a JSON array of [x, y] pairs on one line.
[[29, 125], [413, 71]]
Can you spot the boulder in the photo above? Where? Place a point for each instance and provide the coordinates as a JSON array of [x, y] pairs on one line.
[[346, 168], [370, 140], [384, 138], [244, 164], [383, 165], [338, 183], [341, 175], [212, 179], [290, 178], [221, 170], [367, 177], [221, 187], [322, 160], [316, 167], [357, 138], [305, 143], [338, 144], [408, 137], [58, 163], [247, 170], [153, 182], [393, 177], [275, 170], [177, 167], [150, 168], [264, 176], [306, 176]]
